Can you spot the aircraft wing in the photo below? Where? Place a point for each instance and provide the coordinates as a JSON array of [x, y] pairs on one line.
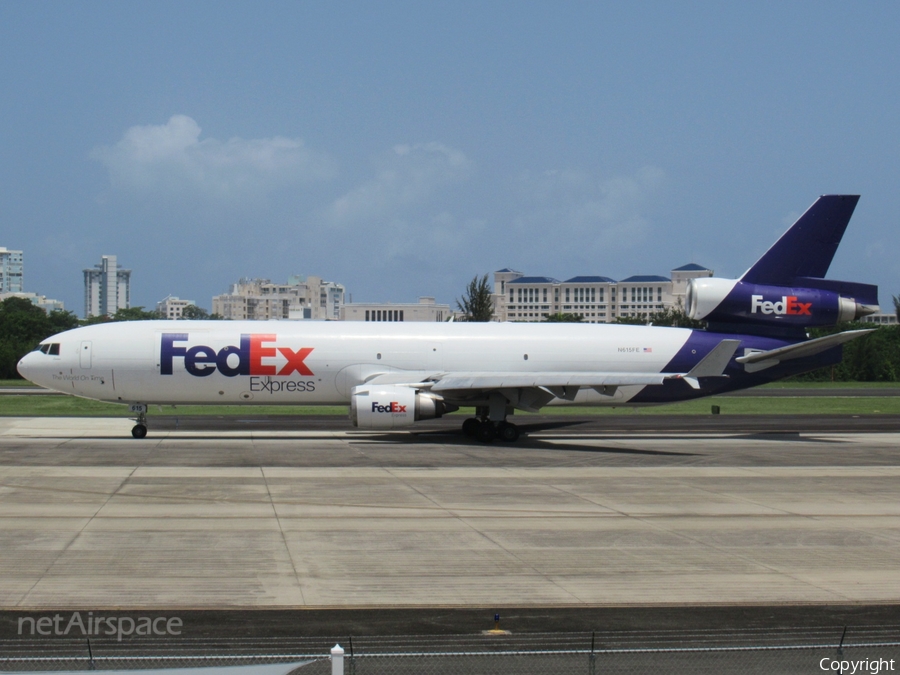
[[525, 391], [712, 365], [532, 390], [492, 381]]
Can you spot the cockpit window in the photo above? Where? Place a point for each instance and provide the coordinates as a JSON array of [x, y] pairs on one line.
[[43, 348], [54, 349], [51, 349]]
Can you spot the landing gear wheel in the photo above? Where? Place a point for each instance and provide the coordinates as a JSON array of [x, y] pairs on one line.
[[139, 431], [470, 426], [486, 432], [507, 431]]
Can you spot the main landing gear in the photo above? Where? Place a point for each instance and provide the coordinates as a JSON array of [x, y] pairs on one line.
[[490, 421], [486, 431], [139, 430]]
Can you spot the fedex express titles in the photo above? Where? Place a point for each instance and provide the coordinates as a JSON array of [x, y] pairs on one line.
[[247, 358]]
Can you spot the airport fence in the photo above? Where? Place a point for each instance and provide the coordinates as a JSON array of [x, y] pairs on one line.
[[870, 650]]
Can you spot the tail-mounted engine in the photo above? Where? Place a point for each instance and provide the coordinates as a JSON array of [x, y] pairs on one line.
[[391, 407], [732, 301]]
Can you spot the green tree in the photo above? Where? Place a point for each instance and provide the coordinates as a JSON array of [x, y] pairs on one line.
[[896, 306], [135, 314], [22, 322], [674, 316], [61, 319], [871, 358], [632, 320], [91, 320], [124, 314], [564, 317], [476, 304], [22, 326], [194, 312]]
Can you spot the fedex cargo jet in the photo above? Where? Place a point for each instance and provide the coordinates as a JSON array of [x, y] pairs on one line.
[[394, 374]]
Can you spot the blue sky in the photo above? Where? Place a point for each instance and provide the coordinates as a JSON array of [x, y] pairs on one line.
[[403, 148]]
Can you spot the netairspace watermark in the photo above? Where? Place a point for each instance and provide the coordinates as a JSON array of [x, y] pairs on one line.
[[87, 626], [848, 667]]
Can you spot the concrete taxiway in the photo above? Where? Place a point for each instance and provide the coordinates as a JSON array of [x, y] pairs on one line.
[[268, 517]]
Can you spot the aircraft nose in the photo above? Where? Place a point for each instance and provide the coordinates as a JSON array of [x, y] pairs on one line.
[[26, 366]]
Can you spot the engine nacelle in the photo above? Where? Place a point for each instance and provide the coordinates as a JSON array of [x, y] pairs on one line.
[[391, 407], [735, 301]]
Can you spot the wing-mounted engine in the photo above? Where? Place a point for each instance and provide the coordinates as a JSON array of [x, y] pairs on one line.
[[733, 301], [392, 407]]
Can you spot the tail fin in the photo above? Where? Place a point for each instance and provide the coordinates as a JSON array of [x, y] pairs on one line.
[[807, 248], [784, 292]]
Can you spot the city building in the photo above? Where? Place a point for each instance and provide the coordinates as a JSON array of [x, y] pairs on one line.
[[172, 307], [300, 298], [880, 319], [598, 299], [107, 288], [681, 277], [426, 309], [42, 301], [11, 271], [12, 282]]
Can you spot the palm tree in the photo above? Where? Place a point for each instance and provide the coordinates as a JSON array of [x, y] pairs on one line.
[[476, 304]]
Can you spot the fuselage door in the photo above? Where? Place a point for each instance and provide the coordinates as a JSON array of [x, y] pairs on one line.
[[85, 354]]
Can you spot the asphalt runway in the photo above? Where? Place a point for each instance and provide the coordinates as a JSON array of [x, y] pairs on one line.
[[536, 428], [575, 515]]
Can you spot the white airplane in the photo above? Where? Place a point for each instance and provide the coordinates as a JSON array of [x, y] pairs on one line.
[[394, 374]]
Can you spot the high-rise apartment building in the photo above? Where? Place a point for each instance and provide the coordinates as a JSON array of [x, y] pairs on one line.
[[107, 288], [11, 271]]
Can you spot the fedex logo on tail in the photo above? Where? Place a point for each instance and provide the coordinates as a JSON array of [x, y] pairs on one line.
[[788, 305], [253, 356]]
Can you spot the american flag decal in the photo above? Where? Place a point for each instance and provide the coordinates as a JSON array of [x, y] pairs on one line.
[[648, 350]]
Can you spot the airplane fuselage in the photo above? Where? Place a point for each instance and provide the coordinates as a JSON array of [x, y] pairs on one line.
[[319, 363]]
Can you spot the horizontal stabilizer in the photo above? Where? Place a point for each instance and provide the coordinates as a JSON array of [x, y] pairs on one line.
[[761, 360]]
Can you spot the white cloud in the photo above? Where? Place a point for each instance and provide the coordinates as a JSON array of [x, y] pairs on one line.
[[586, 216], [171, 159], [441, 236], [406, 178]]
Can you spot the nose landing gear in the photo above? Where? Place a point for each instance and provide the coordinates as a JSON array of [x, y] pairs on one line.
[[139, 430]]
